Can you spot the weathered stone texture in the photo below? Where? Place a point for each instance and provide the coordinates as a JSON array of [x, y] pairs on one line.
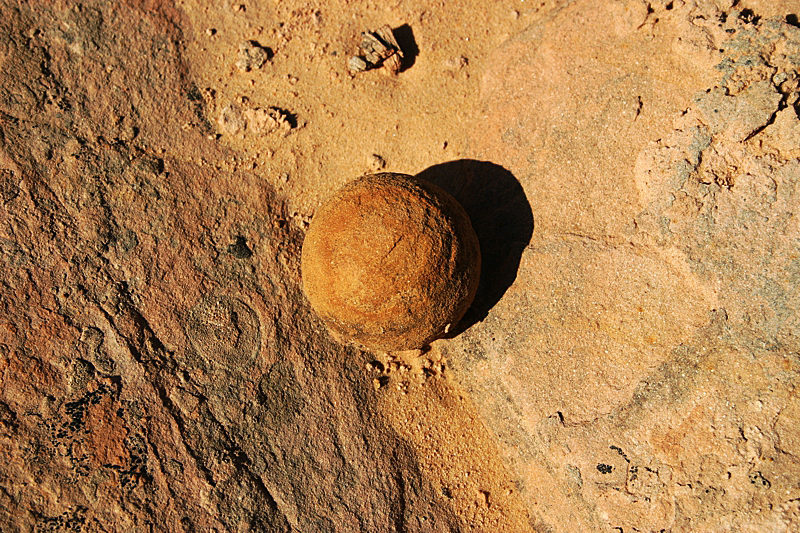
[[641, 372], [631, 172], [156, 376]]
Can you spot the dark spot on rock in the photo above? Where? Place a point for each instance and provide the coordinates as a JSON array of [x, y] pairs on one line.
[[8, 418], [187, 524], [604, 468], [756, 478], [194, 94], [239, 249], [8, 186], [749, 17], [620, 452]]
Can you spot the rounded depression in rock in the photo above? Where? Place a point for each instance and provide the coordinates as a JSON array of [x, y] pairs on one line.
[[391, 262]]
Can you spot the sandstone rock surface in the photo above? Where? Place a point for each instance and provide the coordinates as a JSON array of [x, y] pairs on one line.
[[631, 361], [641, 370], [158, 367]]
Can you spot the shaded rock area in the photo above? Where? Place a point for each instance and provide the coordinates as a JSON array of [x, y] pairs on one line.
[[155, 378], [631, 361]]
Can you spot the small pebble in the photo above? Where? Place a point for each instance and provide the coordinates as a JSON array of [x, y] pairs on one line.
[[376, 162], [357, 64], [456, 63], [231, 120], [251, 56]]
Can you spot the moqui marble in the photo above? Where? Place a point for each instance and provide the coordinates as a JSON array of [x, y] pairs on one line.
[[390, 262]]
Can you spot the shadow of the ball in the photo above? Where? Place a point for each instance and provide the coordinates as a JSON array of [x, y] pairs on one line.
[[502, 219]]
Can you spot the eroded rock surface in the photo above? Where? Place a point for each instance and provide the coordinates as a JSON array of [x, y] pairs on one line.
[[631, 172], [159, 371], [642, 369]]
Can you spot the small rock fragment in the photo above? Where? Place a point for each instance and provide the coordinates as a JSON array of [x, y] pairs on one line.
[[269, 120], [376, 162], [231, 120], [456, 63], [357, 64], [378, 48], [252, 56]]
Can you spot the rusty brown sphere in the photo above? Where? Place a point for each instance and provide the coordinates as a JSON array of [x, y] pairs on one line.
[[391, 262]]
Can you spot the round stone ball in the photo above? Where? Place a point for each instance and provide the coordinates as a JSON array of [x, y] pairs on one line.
[[390, 262]]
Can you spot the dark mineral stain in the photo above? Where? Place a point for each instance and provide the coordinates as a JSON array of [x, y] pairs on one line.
[[604, 468]]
